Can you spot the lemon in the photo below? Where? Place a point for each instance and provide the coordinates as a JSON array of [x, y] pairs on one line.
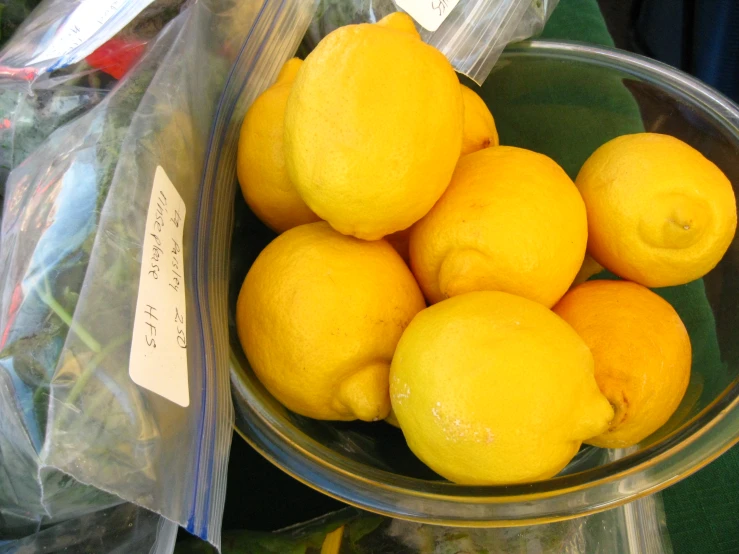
[[642, 355], [319, 316], [479, 126], [392, 420], [659, 212], [491, 388], [511, 220], [588, 268], [373, 127], [260, 159]]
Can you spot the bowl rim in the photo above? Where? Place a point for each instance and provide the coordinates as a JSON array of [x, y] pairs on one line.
[[700, 440]]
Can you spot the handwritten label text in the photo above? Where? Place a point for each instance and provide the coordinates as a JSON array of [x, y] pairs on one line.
[[159, 345]]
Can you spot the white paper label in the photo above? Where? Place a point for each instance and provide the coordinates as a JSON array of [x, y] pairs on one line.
[[430, 14], [89, 17], [159, 345]]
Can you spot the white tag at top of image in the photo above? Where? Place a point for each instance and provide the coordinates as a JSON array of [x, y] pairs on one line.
[[429, 14]]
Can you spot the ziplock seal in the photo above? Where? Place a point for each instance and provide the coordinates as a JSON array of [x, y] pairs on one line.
[[272, 39]]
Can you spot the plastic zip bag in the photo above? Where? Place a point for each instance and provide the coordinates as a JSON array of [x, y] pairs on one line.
[[475, 34], [76, 219], [62, 32], [472, 33], [119, 530], [34, 103], [29, 118]]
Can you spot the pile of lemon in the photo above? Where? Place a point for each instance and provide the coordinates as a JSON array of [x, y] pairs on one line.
[[425, 274]]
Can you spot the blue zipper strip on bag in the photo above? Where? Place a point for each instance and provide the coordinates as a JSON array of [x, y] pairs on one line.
[[204, 218]]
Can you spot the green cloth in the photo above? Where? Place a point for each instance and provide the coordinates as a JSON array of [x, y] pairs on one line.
[[579, 20], [702, 510], [562, 110]]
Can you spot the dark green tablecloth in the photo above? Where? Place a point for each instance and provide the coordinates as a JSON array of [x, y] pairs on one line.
[[702, 510]]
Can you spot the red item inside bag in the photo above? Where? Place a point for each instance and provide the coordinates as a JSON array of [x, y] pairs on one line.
[[117, 56]]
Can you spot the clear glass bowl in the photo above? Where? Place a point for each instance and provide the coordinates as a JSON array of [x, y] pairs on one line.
[[562, 99]]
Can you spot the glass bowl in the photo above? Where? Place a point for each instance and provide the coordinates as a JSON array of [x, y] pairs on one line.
[[564, 100]]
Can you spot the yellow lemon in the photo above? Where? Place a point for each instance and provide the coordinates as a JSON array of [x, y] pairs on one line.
[[511, 220], [260, 161], [588, 268], [373, 127], [392, 420], [479, 126], [642, 354], [491, 388], [659, 212], [319, 316]]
